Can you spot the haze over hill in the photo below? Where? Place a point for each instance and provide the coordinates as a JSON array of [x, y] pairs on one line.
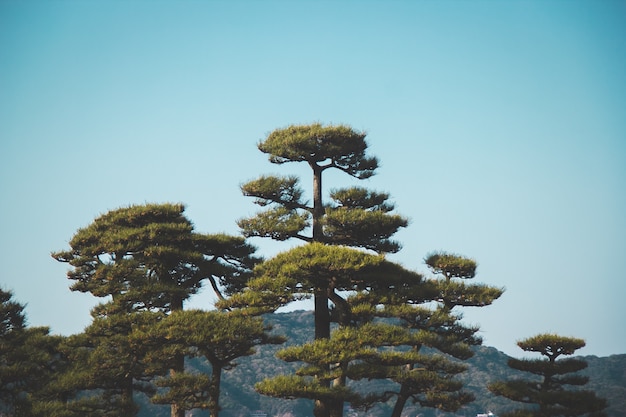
[[607, 378]]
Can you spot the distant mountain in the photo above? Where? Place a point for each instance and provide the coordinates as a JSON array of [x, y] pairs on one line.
[[607, 379]]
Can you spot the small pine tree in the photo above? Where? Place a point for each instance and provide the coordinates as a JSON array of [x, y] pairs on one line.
[[548, 390]]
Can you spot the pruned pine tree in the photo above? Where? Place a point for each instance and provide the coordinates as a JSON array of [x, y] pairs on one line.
[[353, 217], [218, 337], [427, 377], [443, 331], [350, 219], [553, 388], [422, 376], [148, 258]]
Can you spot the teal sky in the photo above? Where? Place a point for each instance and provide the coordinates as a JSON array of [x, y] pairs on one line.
[[500, 127]]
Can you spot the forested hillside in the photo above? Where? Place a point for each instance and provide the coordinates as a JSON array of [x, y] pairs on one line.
[[607, 379]]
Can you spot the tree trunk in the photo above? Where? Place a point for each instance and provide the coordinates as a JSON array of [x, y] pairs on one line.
[[321, 313], [128, 404], [178, 360], [214, 391], [399, 406], [403, 396], [336, 409]]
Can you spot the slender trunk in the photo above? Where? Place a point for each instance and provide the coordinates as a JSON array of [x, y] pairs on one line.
[[322, 314], [399, 406], [214, 393], [318, 204], [178, 362], [403, 396], [128, 404]]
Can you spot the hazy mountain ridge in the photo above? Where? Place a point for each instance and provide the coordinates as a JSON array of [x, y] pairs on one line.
[[607, 378]]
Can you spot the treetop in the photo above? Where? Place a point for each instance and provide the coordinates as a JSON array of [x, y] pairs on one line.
[[331, 146], [551, 345]]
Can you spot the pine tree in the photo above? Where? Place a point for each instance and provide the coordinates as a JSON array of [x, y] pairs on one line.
[[548, 390], [148, 259], [218, 337], [430, 382], [329, 362], [27, 358], [352, 217], [355, 216]]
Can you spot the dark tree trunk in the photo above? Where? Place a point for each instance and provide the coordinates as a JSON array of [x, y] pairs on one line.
[[178, 360], [402, 398], [128, 404], [214, 394], [322, 313]]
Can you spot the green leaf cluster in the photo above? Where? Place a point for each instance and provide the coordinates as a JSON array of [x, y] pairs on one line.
[[336, 146]]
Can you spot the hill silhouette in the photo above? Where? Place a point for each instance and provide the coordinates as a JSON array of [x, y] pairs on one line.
[[607, 379]]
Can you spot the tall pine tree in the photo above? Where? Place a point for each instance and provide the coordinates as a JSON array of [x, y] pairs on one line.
[[361, 219], [355, 217]]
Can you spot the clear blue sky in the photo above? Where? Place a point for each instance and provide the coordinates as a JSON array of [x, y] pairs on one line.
[[500, 127]]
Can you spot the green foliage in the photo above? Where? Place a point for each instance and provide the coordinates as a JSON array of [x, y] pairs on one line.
[[362, 228], [454, 293], [278, 223], [361, 198], [548, 391], [316, 265], [219, 337], [136, 254], [607, 379], [187, 390], [551, 345], [227, 263], [27, 357], [105, 367], [149, 260], [11, 314], [358, 218], [359, 351], [338, 146], [377, 288], [148, 257], [429, 379], [278, 190], [451, 266]]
